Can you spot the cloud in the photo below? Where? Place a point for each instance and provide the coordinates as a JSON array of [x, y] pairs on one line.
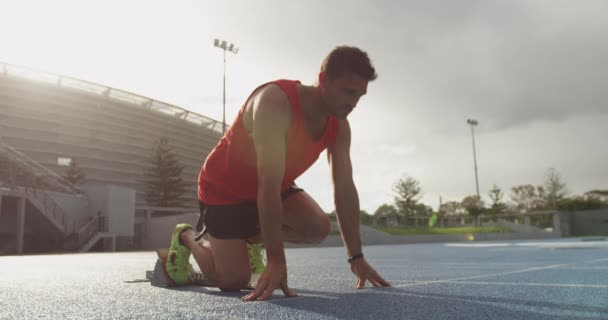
[[508, 63], [384, 149]]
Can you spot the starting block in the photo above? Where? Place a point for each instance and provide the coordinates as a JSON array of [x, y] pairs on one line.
[[159, 278]]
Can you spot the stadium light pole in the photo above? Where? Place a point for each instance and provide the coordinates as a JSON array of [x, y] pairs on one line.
[[222, 44], [473, 123]]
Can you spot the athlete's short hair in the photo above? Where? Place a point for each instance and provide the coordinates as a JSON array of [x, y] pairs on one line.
[[344, 59]]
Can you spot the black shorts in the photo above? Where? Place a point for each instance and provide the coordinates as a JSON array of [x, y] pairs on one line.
[[234, 221]]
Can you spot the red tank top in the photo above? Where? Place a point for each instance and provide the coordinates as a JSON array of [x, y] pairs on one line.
[[229, 175]]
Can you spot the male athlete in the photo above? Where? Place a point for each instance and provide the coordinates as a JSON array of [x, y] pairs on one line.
[[246, 185]]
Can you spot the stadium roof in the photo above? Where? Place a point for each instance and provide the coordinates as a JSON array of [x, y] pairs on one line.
[[87, 87]]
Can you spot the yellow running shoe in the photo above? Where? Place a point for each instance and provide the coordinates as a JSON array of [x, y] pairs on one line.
[[177, 265], [257, 261]]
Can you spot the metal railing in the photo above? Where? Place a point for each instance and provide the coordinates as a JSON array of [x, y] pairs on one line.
[[96, 225], [39, 170], [109, 93], [48, 207], [39, 198]]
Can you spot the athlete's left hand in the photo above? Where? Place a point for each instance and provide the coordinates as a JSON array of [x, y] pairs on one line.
[[365, 272]]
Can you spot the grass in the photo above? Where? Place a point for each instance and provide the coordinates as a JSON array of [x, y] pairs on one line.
[[462, 230]]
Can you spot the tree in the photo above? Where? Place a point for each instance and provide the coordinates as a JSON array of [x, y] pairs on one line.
[[498, 207], [386, 212], [332, 216], [408, 192], [581, 203], [555, 188], [366, 218], [597, 194], [451, 208], [473, 205], [528, 198], [421, 209], [164, 184], [74, 174]]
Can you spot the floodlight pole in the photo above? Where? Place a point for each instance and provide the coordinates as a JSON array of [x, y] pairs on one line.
[[225, 47], [473, 123]]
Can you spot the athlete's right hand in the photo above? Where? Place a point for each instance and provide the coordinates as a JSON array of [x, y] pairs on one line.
[[272, 278]]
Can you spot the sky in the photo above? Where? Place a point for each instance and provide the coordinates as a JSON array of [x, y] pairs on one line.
[[532, 73]]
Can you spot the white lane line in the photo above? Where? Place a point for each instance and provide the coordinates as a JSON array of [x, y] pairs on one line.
[[481, 264], [296, 277], [482, 276], [576, 244], [518, 306], [459, 280], [572, 285], [596, 260], [602, 244], [309, 296], [451, 266], [478, 245], [353, 279]]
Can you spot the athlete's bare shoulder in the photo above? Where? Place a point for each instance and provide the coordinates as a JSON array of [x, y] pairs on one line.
[[268, 101], [271, 96]]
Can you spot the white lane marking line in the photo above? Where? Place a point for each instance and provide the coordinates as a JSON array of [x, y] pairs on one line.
[[584, 268], [308, 296], [511, 306], [418, 282], [565, 244], [576, 244], [596, 260], [482, 276], [463, 267], [324, 278], [479, 264], [478, 245], [354, 279], [573, 285]]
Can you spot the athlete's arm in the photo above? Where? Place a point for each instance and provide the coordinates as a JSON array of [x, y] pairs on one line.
[[346, 200], [271, 118]]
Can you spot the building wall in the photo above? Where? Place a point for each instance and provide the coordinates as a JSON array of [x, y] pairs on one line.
[[110, 139], [8, 215], [117, 204], [588, 222], [158, 232], [75, 208]]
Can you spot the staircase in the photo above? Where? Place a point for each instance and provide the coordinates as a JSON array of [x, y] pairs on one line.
[[33, 173], [92, 233], [49, 208], [17, 169]]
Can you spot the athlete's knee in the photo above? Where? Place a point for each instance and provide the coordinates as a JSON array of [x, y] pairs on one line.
[[321, 229]]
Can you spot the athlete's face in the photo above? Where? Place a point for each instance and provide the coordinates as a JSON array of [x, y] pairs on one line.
[[341, 94]]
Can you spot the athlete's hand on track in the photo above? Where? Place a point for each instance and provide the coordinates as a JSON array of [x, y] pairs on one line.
[[274, 277], [365, 272]]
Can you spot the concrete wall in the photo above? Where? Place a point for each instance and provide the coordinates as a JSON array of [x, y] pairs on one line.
[[523, 228], [8, 215], [589, 222], [117, 204], [121, 211], [158, 232], [75, 208]]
